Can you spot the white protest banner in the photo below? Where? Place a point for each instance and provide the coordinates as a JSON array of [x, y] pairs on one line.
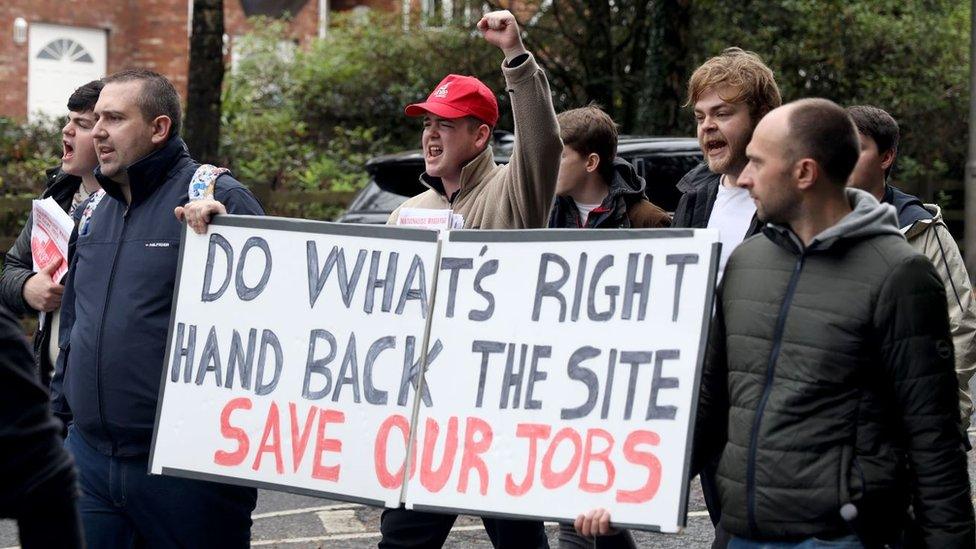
[[290, 353], [568, 374], [561, 375]]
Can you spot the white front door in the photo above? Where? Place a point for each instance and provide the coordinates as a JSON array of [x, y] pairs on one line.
[[61, 59]]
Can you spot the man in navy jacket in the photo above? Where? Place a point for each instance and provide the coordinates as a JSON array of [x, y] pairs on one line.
[[115, 317]]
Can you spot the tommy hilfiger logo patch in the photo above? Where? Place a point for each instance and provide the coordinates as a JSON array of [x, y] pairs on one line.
[[157, 244]]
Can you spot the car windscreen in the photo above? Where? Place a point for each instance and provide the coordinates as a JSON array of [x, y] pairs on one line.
[[374, 199]]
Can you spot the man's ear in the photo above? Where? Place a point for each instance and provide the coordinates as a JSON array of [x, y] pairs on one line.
[[888, 158], [161, 126], [483, 136], [806, 172], [592, 162]]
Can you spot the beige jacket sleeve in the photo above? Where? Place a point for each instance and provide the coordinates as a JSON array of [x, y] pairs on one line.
[[938, 245], [529, 180]]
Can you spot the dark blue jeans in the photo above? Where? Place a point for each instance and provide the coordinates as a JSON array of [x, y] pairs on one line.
[[123, 506]]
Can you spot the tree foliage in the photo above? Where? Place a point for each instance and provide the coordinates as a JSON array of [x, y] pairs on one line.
[[909, 58], [311, 118]]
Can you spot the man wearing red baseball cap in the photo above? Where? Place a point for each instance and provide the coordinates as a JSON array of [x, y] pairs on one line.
[[459, 116]]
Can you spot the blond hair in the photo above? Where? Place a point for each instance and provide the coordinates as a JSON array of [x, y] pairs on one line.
[[745, 73]]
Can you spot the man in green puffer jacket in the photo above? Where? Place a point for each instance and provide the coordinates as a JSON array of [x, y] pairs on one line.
[[830, 363]]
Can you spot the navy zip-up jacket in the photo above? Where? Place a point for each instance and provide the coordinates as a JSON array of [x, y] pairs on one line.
[[118, 297]]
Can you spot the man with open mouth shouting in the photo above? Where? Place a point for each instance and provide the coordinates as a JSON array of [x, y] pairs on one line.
[[459, 116], [461, 174], [21, 289], [730, 93]]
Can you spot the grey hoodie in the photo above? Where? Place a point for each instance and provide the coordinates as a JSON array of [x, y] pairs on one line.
[[867, 218]]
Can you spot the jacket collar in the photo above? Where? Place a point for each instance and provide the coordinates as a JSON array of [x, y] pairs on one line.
[[148, 174], [910, 209], [59, 183], [472, 174], [699, 177]]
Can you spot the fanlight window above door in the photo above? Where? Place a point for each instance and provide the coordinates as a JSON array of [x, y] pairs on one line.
[[65, 49]]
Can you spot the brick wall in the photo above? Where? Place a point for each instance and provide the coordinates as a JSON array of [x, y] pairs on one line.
[[141, 33]]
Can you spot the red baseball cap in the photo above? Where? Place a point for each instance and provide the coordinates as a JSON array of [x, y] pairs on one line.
[[459, 96]]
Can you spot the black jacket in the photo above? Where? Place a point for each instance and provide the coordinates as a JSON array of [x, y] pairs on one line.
[[37, 479], [18, 266], [624, 207], [700, 188], [118, 297], [830, 380]]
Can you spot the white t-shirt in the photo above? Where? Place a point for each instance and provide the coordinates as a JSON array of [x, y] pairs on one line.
[[731, 215], [585, 209]]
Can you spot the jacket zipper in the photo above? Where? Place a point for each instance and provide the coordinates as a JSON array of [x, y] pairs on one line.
[[767, 388], [101, 330]]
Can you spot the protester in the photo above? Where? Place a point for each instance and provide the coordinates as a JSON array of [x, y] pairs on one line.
[[925, 230], [460, 170], [459, 117], [730, 93], [115, 317], [37, 483], [832, 362], [21, 289], [595, 189]]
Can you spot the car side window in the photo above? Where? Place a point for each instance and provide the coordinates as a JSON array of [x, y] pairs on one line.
[[662, 173]]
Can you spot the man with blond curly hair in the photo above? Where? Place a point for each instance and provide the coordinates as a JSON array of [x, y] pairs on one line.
[[730, 93]]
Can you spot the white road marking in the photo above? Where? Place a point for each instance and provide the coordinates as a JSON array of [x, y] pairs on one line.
[[288, 512], [341, 521]]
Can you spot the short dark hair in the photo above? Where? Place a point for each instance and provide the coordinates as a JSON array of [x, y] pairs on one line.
[[590, 130], [84, 98], [878, 125], [158, 97], [822, 130]]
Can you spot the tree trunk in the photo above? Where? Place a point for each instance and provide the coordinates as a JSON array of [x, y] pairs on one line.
[[671, 64], [598, 59], [206, 77], [636, 79]]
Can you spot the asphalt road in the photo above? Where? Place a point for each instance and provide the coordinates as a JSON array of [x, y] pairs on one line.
[[290, 521]]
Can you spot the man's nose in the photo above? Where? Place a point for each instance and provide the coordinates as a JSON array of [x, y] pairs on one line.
[[98, 131]]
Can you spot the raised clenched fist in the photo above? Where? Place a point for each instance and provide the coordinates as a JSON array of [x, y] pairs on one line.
[[501, 30]]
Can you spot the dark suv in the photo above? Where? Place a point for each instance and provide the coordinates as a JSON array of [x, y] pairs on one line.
[[661, 161]]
